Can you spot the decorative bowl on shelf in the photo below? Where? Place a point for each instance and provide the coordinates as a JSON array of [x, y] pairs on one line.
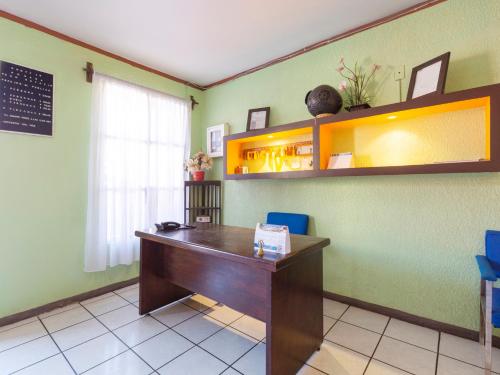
[[324, 100]]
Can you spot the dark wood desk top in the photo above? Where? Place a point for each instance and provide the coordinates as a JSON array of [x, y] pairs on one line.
[[234, 243]]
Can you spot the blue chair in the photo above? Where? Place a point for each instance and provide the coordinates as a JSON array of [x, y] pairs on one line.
[[297, 223], [489, 267]]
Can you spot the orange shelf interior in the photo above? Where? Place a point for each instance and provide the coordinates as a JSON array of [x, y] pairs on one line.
[[269, 153], [451, 132]]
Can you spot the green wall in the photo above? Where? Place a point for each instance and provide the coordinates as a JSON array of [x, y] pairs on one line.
[[43, 181], [406, 242]]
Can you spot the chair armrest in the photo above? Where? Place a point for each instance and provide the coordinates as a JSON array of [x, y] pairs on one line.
[[485, 268]]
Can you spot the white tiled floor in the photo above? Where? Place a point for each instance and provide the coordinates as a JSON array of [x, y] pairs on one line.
[[106, 335]]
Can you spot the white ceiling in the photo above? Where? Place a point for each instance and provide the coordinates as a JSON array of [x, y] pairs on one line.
[[202, 41]]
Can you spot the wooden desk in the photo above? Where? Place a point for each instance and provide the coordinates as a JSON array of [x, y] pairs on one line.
[[218, 261]]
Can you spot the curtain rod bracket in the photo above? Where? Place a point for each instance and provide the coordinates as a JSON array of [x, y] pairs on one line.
[[193, 102], [89, 70]]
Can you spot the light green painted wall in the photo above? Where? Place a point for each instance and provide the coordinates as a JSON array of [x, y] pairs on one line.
[[406, 242], [43, 181]]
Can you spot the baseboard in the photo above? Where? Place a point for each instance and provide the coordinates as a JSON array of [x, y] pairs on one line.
[[64, 302], [410, 318]]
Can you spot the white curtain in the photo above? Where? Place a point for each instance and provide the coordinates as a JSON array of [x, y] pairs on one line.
[[139, 141]]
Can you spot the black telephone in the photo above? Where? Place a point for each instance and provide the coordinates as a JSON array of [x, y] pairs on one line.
[[171, 225]]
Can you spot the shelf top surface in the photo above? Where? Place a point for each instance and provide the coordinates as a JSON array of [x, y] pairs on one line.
[[406, 114], [234, 243]]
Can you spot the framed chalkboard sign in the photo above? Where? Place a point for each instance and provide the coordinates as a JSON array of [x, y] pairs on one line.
[[26, 100]]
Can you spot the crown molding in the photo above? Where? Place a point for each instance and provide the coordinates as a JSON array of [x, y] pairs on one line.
[[415, 8], [91, 47]]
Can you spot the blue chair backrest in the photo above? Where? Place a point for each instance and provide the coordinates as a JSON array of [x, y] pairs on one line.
[[492, 245], [297, 223]]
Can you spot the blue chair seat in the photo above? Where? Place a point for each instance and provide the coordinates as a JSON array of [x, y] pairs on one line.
[[297, 223]]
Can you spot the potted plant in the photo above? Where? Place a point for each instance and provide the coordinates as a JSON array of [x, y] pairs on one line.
[[355, 85], [198, 164]]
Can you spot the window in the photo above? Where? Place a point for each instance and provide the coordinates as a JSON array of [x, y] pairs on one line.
[[139, 141]]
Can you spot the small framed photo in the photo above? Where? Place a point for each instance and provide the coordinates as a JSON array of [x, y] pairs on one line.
[[258, 118], [429, 77], [215, 139]]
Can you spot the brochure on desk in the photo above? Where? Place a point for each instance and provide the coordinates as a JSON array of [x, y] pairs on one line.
[[275, 238]]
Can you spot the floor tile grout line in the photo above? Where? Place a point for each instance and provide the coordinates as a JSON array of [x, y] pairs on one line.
[[378, 333], [59, 348], [126, 346], [143, 341], [33, 364], [392, 366], [226, 325], [232, 368], [467, 363], [123, 298], [72, 325], [117, 355], [23, 343], [86, 341], [329, 329], [49, 333], [104, 313], [20, 325], [126, 289], [123, 325], [109, 359], [355, 325], [437, 353], [409, 343], [364, 355], [174, 358], [38, 317], [195, 344], [245, 353], [98, 298], [192, 342], [76, 305], [317, 369], [376, 346]]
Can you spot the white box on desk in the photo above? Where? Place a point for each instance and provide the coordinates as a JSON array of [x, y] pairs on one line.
[[276, 238]]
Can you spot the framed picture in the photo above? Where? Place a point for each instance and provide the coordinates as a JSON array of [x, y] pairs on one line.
[[27, 96], [429, 77], [215, 139], [258, 118]]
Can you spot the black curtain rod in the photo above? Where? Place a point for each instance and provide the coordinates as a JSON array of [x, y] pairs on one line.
[[89, 73]]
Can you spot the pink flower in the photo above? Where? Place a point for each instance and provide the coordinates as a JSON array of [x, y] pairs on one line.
[[376, 67], [340, 69], [342, 86]]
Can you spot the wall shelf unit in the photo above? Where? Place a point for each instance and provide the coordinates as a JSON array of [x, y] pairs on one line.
[[450, 133]]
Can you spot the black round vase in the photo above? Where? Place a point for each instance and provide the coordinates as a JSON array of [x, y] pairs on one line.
[[323, 100]]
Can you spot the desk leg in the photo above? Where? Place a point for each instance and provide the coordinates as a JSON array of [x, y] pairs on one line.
[[155, 290], [294, 327]]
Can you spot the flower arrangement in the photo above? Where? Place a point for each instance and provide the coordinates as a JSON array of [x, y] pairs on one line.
[[356, 82], [199, 162]]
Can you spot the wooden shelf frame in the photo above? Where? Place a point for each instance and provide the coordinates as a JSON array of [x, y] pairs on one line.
[[429, 103]]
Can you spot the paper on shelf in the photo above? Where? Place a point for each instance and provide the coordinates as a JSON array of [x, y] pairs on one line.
[[341, 160]]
